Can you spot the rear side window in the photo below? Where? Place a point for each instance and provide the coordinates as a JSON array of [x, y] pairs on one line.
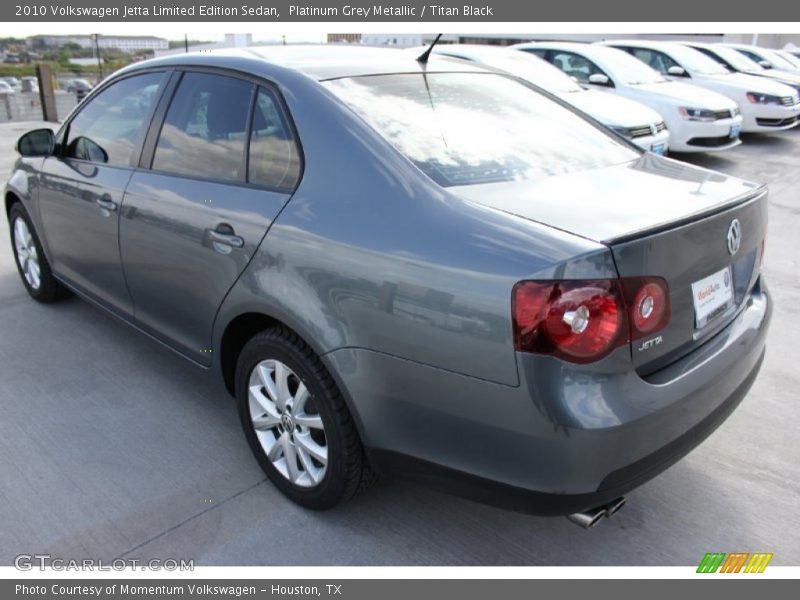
[[471, 128], [108, 128], [205, 130], [274, 159], [540, 52]]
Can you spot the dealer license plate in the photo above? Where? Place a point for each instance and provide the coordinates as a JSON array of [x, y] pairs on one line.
[[712, 296]]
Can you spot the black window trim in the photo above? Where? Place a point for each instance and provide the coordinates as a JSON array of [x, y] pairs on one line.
[[63, 131], [145, 162]]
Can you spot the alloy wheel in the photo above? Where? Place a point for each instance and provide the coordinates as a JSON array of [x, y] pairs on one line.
[[287, 423], [27, 256]]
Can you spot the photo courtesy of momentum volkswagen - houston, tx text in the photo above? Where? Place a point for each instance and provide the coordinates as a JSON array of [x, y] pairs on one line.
[[225, 204]]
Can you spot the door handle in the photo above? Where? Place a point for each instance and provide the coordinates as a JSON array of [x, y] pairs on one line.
[[226, 239], [105, 202]]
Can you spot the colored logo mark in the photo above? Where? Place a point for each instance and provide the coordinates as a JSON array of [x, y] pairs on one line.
[[735, 562]]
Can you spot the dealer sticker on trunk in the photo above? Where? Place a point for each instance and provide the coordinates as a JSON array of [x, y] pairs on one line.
[[712, 295]]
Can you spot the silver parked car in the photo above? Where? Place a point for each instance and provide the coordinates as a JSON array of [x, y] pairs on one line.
[[402, 266]]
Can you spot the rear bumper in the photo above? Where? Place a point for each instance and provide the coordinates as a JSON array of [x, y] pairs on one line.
[[613, 485], [563, 441]]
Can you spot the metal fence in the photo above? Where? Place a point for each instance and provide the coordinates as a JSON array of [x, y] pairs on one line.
[[27, 106], [23, 102]]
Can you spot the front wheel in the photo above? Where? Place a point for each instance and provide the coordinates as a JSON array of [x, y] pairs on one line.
[[31, 262], [297, 423]]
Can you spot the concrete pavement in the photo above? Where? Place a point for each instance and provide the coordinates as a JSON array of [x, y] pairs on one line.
[[111, 446]]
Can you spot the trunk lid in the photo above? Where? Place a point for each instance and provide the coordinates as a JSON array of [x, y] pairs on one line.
[[696, 261], [616, 202], [660, 218]]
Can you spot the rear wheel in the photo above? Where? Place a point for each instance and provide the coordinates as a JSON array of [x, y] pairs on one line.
[[31, 262], [297, 423]]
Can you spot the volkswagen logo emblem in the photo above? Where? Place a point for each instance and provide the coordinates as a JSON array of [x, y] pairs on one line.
[[734, 236], [287, 422], [654, 129]]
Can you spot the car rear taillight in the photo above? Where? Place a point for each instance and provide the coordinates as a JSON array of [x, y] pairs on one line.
[[584, 321], [647, 299], [579, 321]]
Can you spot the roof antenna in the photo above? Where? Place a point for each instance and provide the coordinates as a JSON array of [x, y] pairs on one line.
[[423, 58]]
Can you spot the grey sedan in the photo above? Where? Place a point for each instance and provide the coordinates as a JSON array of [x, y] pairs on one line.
[[411, 267]]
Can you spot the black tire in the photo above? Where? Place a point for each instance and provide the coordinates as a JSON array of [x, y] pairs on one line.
[[49, 290], [348, 472]]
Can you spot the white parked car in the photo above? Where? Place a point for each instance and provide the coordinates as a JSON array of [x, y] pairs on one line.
[[765, 105], [641, 125], [795, 60], [11, 81], [766, 57], [737, 62], [698, 120], [5, 89]]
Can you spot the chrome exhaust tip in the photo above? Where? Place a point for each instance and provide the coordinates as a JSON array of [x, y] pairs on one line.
[[614, 506], [589, 518]]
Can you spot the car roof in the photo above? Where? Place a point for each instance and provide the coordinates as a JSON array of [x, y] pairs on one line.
[[596, 51], [655, 45], [474, 49], [321, 61], [747, 46], [551, 44], [698, 44]]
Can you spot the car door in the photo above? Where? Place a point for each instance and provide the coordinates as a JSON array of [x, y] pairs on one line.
[[82, 185], [214, 175]]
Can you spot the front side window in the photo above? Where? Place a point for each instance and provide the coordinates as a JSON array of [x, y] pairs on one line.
[[654, 59], [470, 128], [108, 129], [205, 130], [575, 65], [696, 62], [727, 56], [274, 159]]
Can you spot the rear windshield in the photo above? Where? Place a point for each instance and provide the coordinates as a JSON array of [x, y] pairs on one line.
[[470, 128]]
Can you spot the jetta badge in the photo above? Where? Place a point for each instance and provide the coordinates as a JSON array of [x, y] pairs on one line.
[[734, 236]]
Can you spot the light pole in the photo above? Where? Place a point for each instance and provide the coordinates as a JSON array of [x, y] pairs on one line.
[[97, 52]]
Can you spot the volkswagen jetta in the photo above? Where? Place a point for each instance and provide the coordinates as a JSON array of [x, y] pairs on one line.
[[405, 266]]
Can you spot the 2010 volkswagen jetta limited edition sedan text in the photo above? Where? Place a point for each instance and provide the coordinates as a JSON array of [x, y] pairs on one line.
[[410, 267]]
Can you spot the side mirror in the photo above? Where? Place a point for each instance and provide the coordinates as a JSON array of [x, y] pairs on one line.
[[599, 79], [39, 142], [765, 63], [677, 71]]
